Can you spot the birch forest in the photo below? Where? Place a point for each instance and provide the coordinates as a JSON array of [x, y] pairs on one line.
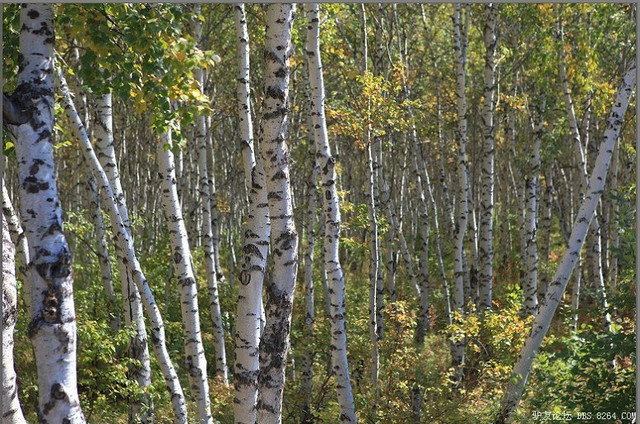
[[318, 213]]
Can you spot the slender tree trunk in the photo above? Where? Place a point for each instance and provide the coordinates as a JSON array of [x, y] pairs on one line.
[[373, 228], [125, 248], [11, 408], [209, 251], [545, 232], [331, 207], [309, 316], [615, 223], [274, 344], [52, 328], [594, 239], [584, 217], [460, 47], [106, 274], [19, 241], [181, 255], [486, 203], [530, 287], [256, 244], [139, 409]]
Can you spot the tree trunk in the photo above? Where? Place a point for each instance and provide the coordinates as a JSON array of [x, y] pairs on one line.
[[125, 248], [256, 244], [106, 274], [53, 327], [309, 316], [331, 206], [196, 362], [584, 217], [19, 241], [139, 409], [11, 409], [486, 203], [274, 344], [460, 47], [530, 287]]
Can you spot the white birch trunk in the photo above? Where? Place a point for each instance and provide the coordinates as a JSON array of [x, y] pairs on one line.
[[125, 248], [485, 248], [331, 208], [196, 362], [102, 251], [133, 312], [614, 229], [545, 232], [274, 343], [256, 245], [596, 252], [373, 228], [556, 290], [458, 353], [11, 409], [530, 287], [309, 289], [52, 328], [19, 240], [208, 242]]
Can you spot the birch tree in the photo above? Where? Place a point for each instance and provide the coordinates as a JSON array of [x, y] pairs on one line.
[[52, 327], [274, 343], [181, 255], [531, 216], [133, 312], [585, 215], [11, 409], [485, 247], [125, 248], [19, 241], [460, 47], [331, 209], [207, 227], [256, 242]]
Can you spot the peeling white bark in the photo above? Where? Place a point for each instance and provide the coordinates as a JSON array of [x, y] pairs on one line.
[[256, 244], [274, 343], [53, 327]]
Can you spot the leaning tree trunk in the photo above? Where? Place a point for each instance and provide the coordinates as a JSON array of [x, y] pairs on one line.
[[139, 409], [485, 248], [331, 207], [256, 245], [126, 251], [11, 409], [274, 343], [196, 363], [102, 251], [557, 287], [53, 323]]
